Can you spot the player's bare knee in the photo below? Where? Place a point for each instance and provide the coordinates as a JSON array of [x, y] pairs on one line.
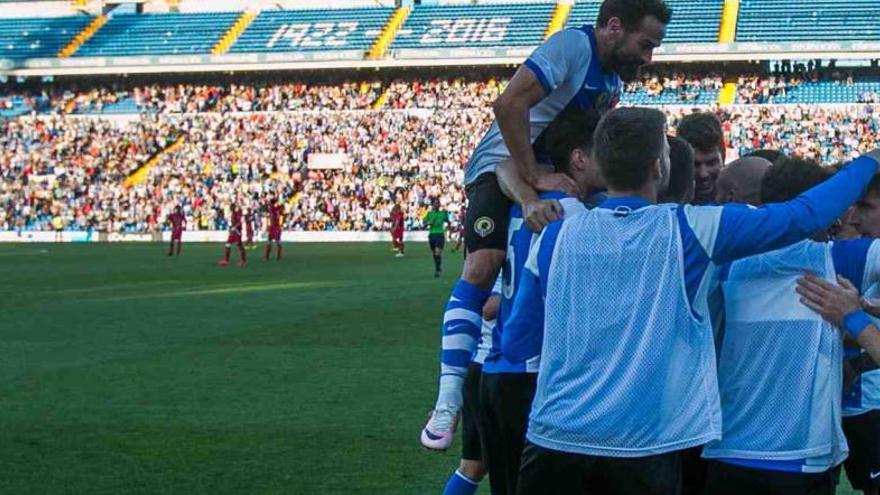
[[490, 309], [481, 267], [474, 470]]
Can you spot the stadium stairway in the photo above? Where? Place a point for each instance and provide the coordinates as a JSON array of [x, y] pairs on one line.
[[558, 20], [141, 173], [234, 32], [729, 18], [389, 32], [727, 95], [82, 37]]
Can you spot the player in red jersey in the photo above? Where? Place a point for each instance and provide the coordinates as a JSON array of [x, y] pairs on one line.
[[178, 223], [234, 238], [249, 227], [276, 214], [397, 230]]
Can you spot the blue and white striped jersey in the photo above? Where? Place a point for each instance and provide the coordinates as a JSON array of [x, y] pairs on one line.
[[519, 242], [627, 357], [487, 329], [778, 355], [567, 65]]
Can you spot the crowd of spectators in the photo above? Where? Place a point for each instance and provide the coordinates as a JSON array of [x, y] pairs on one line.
[[248, 143], [685, 88]]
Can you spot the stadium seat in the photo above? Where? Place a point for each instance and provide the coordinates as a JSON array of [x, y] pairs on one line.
[[311, 30], [38, 38], [491, 25], [808, 20], [827, 92], [158, 34], [641, 97], [693, 21]]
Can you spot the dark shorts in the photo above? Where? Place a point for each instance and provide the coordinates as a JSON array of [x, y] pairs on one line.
[[471, 448], [436, 241], [233, 239], [176, 235], [397, 234], [487, 216], [727, 479], [506, 400], [863, 436], [544, 471], [693, 471], [275, 235]]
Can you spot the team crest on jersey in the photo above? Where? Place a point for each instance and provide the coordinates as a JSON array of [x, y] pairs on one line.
[[484, 226]]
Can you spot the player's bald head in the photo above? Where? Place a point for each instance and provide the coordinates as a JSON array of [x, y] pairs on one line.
[[740, 181]]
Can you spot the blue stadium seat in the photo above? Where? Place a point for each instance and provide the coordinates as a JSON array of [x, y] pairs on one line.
[[311, 30], [38, 38], [642, 98], [693, 21], [808, 20], [455, 26], [158, 34], [825, 92]]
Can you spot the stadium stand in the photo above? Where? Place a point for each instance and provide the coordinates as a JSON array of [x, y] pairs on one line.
[[808, 20], [38, 37], [693, 21], [456, 26], [311, 30], [158, 34]]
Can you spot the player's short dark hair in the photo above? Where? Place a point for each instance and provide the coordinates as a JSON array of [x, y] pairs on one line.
[[874, 186], [790, 177], [771, 156], [681, 170], [626, 144], [632, 12], [572, 129], [702, 131]]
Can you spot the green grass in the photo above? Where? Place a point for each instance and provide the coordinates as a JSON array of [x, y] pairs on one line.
[[123, 371]]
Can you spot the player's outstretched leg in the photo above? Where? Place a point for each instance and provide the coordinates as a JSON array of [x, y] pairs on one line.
[[462, 323]]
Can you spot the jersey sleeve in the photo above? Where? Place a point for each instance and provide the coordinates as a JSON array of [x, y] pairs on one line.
[[733, 232], [554, 62]]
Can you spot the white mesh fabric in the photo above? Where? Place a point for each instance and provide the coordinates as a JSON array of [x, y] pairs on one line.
[[779, 371], [626, 369]]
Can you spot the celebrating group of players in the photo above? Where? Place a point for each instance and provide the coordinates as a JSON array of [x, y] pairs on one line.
[[662, 324], [238, 221]]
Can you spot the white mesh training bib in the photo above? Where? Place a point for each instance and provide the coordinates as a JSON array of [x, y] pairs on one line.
[[627, 368], [780, 369]]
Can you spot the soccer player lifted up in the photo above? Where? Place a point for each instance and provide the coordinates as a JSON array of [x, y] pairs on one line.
[[234, 238], [578, 68], [276, 214], [436, 221], [178, 223]]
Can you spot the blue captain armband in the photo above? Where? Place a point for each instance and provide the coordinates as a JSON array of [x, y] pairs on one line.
[[856, 322]]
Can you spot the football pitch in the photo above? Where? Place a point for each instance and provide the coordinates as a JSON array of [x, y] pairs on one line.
[[127, 372]]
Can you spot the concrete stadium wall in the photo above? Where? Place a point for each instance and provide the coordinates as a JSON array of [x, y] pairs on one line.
[[209, 236]]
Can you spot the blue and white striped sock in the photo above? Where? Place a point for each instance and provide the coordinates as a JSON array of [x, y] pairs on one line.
[[460, 484], [462, 324]]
